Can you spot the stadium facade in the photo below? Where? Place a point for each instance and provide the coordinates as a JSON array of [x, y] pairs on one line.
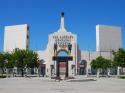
[[75, 61]]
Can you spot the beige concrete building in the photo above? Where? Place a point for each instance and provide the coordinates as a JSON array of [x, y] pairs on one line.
[[16, 36], [108, 38]]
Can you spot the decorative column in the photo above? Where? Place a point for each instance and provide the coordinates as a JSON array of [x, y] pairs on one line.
[[118, 71], [55, 54], [69, 48], [55, 49]]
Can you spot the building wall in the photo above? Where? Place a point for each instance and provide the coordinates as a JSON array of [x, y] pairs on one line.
[[42, 55], [16, 37], [108, 38], [91, 55]]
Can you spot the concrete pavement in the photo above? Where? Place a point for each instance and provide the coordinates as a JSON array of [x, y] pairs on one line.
[[46, 85]]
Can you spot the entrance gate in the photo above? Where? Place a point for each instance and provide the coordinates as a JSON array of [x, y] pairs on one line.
[[62, 66]]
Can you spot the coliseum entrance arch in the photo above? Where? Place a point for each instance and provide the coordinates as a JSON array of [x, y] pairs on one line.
[[62, 58]]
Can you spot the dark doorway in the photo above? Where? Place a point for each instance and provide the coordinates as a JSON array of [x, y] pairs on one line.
[[82, 67], [43, 67]]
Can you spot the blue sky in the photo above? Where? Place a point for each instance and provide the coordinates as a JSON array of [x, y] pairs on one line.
[[43, 17]]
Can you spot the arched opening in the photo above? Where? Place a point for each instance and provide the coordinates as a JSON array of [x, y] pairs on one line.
[[82, 67], [62, 53], [62, 63], [42, 67]]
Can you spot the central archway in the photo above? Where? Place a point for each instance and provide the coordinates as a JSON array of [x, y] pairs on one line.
[[62, 63], [62, 56]]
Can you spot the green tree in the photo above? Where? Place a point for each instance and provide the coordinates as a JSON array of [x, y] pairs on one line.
[[24, 59], [119, 58], [100, 63], [9, 61], [31, 59], [2, 63]]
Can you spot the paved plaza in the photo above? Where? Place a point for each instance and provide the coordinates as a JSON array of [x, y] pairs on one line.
[[46, 85]]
